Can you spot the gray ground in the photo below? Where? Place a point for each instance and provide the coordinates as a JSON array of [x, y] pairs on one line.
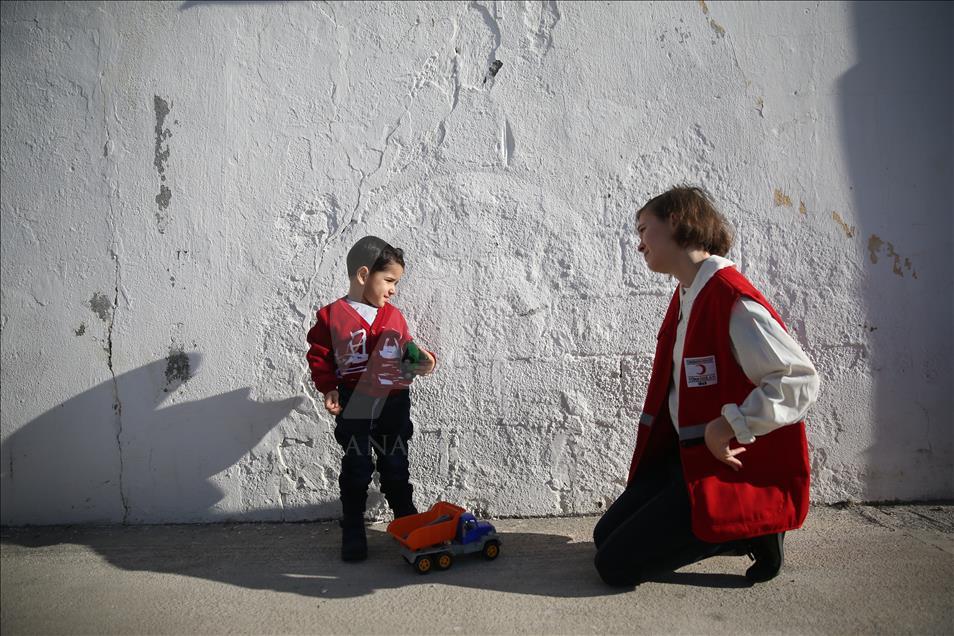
[[863, 569]]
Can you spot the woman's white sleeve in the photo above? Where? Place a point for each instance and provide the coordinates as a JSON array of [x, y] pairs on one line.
[[786, 383]]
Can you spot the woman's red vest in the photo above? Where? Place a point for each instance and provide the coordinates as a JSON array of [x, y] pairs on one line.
[[771, 492]]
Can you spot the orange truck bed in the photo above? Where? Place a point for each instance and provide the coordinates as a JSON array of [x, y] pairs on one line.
[[436, 526]]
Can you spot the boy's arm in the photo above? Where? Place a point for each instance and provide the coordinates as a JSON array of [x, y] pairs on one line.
[[321, 355]]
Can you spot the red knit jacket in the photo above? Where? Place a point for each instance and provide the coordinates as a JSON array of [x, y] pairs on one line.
[[345, 350]]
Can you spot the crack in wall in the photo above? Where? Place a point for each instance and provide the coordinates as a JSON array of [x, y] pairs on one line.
[[117, 402], [111, 192]]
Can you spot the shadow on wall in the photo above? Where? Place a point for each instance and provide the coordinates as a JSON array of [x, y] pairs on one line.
[[896, 106], [65, 465]]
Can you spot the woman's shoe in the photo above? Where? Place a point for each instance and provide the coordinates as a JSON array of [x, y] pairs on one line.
[[769, 555]]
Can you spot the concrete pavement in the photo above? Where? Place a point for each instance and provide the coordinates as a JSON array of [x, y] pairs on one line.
[[861, 569]]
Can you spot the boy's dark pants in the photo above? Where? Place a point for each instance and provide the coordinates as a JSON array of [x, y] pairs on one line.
[[381, 426]]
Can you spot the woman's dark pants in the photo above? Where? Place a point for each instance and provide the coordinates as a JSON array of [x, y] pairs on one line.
[[647, 531]]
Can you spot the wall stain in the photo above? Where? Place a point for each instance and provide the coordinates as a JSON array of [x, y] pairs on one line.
[[493, 70], [101, 306], [178, 369], [802, 209], [162, 108], [849, 230], [782, 199], [719, 30], [875, 244], [760, 106], [81, 330]]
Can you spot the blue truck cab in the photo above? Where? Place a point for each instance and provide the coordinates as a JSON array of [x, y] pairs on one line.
[[471, 530]]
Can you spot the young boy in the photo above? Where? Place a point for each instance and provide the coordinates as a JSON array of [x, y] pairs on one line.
[[355, 354]]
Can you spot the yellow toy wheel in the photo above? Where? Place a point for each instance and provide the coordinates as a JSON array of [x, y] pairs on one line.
[[423, 564], [444, 561], [491, 550]]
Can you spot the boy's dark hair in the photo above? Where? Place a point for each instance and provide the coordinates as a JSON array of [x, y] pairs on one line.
[[373, 253], [698, 223]]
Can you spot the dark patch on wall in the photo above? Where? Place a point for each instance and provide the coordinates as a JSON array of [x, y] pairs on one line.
[[178, 369], [162, 154], [162, 108], [81, 330], [101, 306], [494, 69], [163, 198]]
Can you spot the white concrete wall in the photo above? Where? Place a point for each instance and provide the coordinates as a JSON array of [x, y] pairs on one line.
[[181, 183]]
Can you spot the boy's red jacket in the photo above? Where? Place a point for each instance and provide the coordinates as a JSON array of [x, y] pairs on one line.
[[344, 349]]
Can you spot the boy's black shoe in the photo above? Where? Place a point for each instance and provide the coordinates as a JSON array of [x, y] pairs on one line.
[[354, 540], [404, 511], [769, 555]]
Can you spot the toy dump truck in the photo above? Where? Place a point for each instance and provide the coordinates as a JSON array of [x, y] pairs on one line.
[[432, 539]]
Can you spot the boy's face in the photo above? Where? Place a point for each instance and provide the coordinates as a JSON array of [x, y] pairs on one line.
[[381, 285]]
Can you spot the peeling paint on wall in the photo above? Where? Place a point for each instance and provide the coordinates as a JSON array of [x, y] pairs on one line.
[[102, 306], [494, 69], [715, 26], [899, 263], [782, 199], [162, 108], [719, 30], [849, 230]]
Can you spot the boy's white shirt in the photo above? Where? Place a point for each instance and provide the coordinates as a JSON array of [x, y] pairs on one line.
[[366, 311], [786, 383]]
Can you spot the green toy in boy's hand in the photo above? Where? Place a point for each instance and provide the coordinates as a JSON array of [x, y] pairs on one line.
[[412, 353], [412, 357]]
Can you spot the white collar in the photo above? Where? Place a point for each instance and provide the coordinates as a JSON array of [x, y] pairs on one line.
[[708, 269], [359, 303]]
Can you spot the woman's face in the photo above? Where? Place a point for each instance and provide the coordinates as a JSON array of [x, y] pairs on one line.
[[656, 242]]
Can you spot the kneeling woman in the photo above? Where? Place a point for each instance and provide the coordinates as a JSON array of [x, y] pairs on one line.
[[727, 379]]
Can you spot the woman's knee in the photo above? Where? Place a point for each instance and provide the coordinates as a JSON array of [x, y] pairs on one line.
[[602, 530]]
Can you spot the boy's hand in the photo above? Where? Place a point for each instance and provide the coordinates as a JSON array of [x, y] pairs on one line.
[[426, 365], [718, 435], [331, 403]]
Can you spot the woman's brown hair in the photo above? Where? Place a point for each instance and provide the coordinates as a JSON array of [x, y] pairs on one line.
[[698, 223]]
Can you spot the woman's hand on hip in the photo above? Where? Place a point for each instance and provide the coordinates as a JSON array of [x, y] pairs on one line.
[[718, 435]]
